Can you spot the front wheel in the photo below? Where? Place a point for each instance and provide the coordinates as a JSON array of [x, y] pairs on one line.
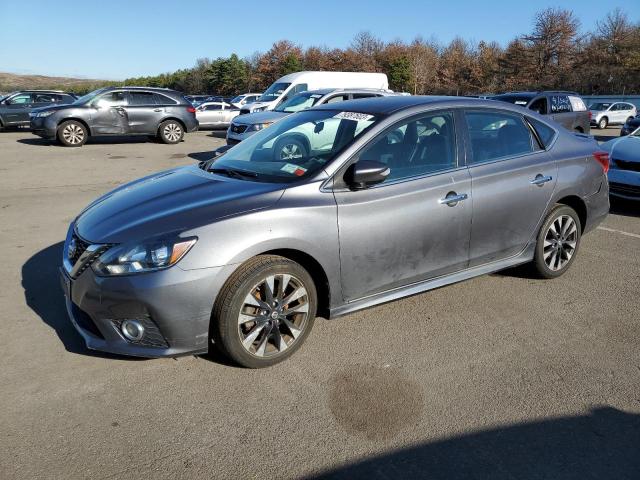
[[557, 243], [72, 134], [264, 312], [602, 124], [171, 132]]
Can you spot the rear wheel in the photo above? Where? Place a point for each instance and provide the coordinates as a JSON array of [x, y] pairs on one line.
[[264, 312], [557, 243], [171, 132], [72, 134], [602, 124]]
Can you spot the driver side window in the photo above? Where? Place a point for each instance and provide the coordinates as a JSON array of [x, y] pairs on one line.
[[421, 146]]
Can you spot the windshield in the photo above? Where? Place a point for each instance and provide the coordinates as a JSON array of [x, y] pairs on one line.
[[88, 97], [599, 106], [273, 92], [296, 147], [237, 99], [302, 101]]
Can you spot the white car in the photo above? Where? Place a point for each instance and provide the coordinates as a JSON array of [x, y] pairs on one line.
[[216, 114], [611, 113], [244, 99]]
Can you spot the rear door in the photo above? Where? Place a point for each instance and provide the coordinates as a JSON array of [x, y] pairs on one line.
[[561, 111], [143, 112], [17, 109], [512, 178], [402, 231], [210, 114]]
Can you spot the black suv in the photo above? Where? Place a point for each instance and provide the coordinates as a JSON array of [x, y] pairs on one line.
[[566, 108], [158, 112], [15, 107]]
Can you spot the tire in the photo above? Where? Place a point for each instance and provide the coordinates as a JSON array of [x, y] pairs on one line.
[[557, 243], [72, 134], [628, 120], [290, 149], [274, 335], [602, 124], [171, 132]]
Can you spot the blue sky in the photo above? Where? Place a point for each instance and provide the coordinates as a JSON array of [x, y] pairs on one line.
[[117, 39]]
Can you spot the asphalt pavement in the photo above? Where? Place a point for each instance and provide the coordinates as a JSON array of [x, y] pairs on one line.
[[498, 377]]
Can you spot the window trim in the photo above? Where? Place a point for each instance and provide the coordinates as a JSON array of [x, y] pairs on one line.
[[336, 182], [467, 139], [528, 121]]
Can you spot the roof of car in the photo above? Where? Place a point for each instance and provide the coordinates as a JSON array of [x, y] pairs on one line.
[[391, 104]]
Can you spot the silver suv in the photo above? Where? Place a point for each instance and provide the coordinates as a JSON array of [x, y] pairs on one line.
[[604, 114], [243, 126]]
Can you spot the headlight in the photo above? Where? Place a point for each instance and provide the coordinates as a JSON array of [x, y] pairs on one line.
[[142, 257], [258, 109], [257, 126], [42, 114]]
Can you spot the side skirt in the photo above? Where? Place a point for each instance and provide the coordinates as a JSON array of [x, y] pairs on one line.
[[390, 295]]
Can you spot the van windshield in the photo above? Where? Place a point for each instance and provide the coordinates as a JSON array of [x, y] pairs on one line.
[[273, 92]]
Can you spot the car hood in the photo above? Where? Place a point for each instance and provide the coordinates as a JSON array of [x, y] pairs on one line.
[[171, 201], [626, 149], [260, 117]]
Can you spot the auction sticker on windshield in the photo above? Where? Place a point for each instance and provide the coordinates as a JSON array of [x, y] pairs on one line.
[[293, 169], [353, 116]]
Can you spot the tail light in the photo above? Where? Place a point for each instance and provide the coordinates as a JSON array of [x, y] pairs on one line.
[[191, 109], [603, 159], [590, 115]]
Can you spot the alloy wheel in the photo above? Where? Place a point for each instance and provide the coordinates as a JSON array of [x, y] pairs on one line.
[[73, 134], [172, 132], [560, 242], [273, 315], [290, 151]]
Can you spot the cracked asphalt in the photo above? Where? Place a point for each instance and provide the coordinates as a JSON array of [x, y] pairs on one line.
[[499, 377]]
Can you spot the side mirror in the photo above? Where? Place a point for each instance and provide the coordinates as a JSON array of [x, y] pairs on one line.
[[221, 150], [318, 127], [365, 173]]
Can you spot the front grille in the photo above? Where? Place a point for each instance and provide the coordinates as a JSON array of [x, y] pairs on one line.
[[624, 189], [244, 111], [81, 246], [152, 336], [84, 321], [238, 128], [632, 166]]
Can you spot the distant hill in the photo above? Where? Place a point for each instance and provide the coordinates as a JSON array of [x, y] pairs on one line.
[[12, 81]]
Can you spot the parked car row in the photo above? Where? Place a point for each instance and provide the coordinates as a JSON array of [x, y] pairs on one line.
[[15, 107]]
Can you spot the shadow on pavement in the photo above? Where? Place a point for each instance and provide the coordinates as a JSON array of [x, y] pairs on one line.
[[44, 296], [202, 156], [219, 134], [106, 140], [604, 444]]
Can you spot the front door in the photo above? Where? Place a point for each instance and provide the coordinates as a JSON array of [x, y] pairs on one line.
[[109, 116], [408, 228], [17, 109], [513, 179]]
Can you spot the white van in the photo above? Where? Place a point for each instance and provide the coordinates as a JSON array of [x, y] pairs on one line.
[[287, 86]]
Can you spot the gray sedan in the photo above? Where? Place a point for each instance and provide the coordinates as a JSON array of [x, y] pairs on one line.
[[216, 114], [390, 197], [624, 172]]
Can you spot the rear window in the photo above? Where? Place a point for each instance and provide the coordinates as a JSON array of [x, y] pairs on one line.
[[545, 133], [577, 105]]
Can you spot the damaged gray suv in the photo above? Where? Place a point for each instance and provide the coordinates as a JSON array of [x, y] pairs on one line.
[[157, 112], [389, 197]]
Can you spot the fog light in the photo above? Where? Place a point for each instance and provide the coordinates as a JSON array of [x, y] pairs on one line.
[[132, 330]]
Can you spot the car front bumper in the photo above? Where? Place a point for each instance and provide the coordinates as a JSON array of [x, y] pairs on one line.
[[42, 128], [174, 306], [234, 138], [624, 184]]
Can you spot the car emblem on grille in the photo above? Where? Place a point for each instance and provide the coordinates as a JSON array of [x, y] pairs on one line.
[[72, 248]]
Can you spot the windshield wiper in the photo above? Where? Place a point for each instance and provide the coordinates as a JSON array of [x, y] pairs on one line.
[[233, 173]]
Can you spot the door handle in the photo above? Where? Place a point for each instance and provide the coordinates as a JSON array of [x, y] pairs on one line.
[[452, 199], [540, 180], [157, 109]]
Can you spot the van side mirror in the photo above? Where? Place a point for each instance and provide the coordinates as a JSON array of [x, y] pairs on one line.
[[365, 173], [318, 127]]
